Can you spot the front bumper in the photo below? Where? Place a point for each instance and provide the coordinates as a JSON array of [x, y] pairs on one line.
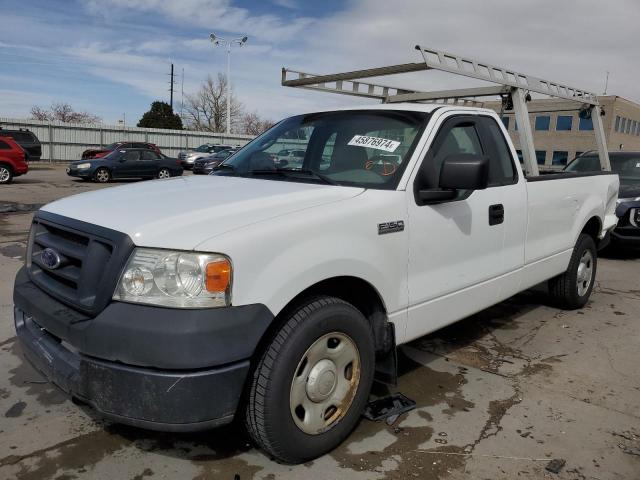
[[628, 230], [162, 369], [74, 172]]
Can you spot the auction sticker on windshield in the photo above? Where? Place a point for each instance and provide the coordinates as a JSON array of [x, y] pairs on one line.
[[374, 142]]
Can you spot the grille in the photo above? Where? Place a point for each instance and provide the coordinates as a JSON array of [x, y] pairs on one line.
[[90, 261]]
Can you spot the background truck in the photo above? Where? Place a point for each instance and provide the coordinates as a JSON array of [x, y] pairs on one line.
[[280, 297]]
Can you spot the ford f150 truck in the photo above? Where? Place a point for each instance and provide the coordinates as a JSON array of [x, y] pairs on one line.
[[280, 295]]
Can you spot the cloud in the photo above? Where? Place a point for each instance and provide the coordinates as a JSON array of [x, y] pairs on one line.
[[218, 15], [292, 4]]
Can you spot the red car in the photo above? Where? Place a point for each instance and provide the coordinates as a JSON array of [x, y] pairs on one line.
[[12, 160], [101, 152]]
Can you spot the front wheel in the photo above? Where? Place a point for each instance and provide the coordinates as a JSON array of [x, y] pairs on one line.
[[102, 175], [572, 289], [312, 382], [164, 173], [6, 174]]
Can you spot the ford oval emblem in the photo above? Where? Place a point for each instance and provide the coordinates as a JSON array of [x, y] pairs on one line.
[[50, 258]]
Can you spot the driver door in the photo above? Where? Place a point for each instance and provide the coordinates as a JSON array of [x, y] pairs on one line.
[[455, 248]]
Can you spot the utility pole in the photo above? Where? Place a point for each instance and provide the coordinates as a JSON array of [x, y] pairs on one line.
[[182, 94], [171, 82]]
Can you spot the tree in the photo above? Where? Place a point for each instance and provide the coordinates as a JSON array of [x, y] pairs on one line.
[[253, 124], [63, 112], [161, 116], [206, 110]]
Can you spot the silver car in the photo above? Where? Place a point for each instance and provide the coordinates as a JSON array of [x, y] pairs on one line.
[[188, 158]]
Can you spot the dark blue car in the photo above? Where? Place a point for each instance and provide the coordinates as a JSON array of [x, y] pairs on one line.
[[126, 163], [627, 166]]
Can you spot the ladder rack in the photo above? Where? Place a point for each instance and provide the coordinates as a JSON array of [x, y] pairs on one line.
[[508, 82]]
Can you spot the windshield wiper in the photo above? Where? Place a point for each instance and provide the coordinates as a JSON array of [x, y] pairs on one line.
[[287, 171]]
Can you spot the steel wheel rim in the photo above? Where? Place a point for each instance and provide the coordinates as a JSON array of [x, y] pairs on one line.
[[102, 176], [164, 173], [584, 275], [325, 383], [4, 174]]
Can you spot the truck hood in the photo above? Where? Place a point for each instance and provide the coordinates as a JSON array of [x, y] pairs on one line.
[[183, 212]]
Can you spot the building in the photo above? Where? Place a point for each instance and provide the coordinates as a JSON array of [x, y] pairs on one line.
[[559, 134]]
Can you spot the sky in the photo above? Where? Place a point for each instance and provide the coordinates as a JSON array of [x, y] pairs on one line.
[[112, 57]]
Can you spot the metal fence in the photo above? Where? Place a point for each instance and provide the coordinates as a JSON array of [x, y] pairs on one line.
[[66, 141]]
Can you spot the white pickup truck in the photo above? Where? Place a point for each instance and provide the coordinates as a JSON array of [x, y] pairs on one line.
[[278, 296]]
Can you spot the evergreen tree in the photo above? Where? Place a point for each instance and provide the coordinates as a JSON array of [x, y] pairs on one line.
[[161, 116]]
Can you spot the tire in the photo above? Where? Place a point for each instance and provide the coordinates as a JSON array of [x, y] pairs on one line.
[[6, 174], [102, 175], [572, 289], [282, 384], [163, 173]]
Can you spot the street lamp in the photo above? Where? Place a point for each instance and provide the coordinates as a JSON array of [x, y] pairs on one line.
[[220, 42]]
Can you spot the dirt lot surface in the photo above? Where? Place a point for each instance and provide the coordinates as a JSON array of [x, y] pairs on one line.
[[498, 394]]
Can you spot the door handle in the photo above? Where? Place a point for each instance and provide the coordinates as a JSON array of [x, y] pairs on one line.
[[496, 214]]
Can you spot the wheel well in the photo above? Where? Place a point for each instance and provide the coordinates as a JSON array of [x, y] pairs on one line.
[[7, 164], [592, 228], [357, 292]]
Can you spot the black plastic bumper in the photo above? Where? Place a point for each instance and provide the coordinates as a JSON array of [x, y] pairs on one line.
[[157, 368], [628, 235]]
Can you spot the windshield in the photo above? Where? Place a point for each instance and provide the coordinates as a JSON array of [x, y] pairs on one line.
[[111, 146], [203, 148], [112, 156], [364, 148], [627, 166]]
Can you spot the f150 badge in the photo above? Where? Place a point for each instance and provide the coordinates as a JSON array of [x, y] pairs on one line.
[[390, 227]]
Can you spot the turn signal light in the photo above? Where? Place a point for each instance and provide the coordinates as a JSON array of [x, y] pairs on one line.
[[218, 276]]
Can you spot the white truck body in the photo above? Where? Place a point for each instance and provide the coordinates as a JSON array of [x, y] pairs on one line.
[[284, 237]]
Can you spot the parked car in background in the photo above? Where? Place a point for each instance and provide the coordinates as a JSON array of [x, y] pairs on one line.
[[289, 158], [188, 158], [26, 139], [126, 163], [627, 166], [204, 166], [12, 160], [102, 152]]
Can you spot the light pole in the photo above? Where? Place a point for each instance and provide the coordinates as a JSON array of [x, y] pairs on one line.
[[219, 41]]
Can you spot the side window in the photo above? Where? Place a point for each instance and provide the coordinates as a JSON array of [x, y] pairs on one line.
[[149, 155], [501, 169], [462, 138], [4, 145], [132, 155]]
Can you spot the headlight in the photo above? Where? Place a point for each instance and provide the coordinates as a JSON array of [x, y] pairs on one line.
[[176, 279], [83, 166]]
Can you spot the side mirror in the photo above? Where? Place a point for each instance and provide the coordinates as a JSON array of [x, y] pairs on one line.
[[465, 172], [458, 172]]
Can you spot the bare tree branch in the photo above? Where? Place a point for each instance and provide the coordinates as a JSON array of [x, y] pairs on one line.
[[206, 110], [63, 112]]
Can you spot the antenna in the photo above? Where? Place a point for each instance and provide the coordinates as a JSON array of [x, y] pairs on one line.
[[606, 83]]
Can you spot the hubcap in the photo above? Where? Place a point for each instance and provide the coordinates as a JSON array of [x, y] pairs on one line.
[[4, 174], [325, 383], [163, 174], [102, 176], [585, 272]]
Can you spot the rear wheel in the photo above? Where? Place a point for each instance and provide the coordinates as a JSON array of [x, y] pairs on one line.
[[102, 175], [6, 174], [312, 382], [573, 288], [164, 173]]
